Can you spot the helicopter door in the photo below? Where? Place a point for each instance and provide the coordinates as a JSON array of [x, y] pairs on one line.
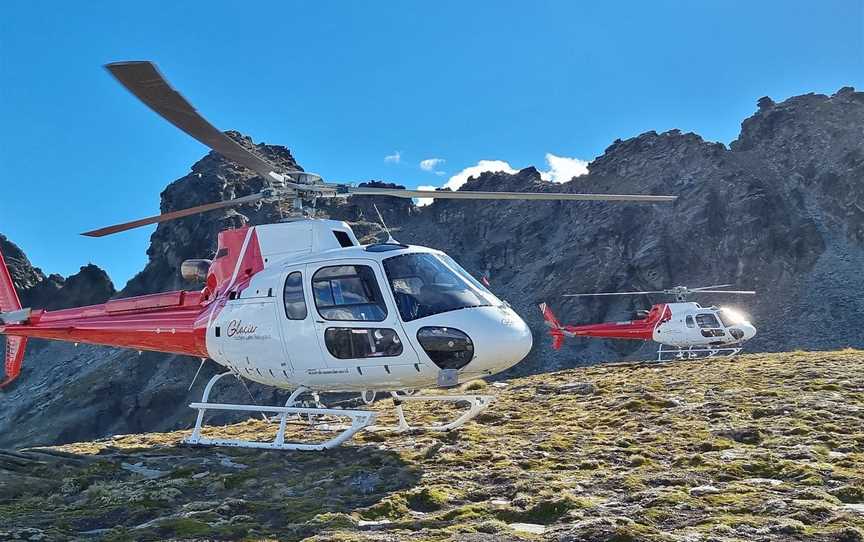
[[356, 326], [297, 324]]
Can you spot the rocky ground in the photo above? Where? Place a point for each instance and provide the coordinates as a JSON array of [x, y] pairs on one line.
[[763, 447]]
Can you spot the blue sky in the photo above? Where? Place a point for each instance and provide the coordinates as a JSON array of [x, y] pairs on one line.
[[345, 84]]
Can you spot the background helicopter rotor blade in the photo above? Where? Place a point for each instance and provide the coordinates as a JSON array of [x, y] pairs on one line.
[[714, 287], [470, 194], [749, 292], [173, 215], [614, 293], [143, 79]]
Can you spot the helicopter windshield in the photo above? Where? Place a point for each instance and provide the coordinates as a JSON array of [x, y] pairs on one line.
[[730, 317], [423, 285]]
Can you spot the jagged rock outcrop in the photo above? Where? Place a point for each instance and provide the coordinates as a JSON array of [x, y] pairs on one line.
[[89, 286], [780, 210]]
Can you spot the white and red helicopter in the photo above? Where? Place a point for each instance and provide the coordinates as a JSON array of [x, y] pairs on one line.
[[683, 329], [301, 304]]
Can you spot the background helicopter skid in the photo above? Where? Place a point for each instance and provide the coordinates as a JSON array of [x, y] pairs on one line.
[[669, 353]]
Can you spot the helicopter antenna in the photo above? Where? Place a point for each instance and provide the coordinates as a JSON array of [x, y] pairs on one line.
[[384, 225]]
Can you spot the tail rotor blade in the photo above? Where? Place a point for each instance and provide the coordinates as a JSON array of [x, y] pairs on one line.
[[173, 215]]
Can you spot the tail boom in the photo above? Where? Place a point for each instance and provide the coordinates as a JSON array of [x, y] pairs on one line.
[[637, 330], [171, 322]]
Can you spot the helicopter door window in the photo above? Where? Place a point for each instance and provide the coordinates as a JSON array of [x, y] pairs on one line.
[[359, 343], [295, 303], [709, 326], [689, 321], [348, 292]]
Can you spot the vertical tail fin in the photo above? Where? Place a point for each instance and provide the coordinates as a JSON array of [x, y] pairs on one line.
[[15, 346], [554, 326], [549, 316]]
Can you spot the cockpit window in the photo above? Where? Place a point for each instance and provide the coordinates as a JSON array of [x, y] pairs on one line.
[[470, 278], [348, 292], [424, 285], [707, 321], [729, 317]]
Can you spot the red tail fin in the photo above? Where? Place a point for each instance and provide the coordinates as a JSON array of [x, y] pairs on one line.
[[554, 326], [549, 316], [15, 346]]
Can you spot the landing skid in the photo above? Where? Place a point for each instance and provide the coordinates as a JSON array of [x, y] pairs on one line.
[[477, 404], [701, 352], [360, 419]]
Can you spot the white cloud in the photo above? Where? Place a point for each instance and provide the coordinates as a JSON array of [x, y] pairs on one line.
[[431, 163], [394, 158], [424, 201], [440, 173], [562, 168], [456, 181]]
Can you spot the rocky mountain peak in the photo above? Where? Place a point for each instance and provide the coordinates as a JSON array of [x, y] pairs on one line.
[[90, 285], [213, 178], [649, 155], [24, 275]]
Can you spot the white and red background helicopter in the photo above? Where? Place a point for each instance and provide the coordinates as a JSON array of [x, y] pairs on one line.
[[300, 304], [681, 328]]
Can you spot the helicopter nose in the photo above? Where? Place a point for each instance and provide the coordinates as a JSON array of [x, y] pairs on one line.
[[743, 332], [502, 343]]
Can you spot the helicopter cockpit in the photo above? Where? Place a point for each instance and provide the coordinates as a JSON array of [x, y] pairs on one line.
[[425, 284], [717, 322], [386, 304]]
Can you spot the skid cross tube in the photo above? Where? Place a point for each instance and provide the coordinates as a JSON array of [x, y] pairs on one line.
[[360, 419], [478, 403]]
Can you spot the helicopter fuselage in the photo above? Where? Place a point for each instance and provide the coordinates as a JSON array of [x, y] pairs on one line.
[[680, 325], [302, 303]]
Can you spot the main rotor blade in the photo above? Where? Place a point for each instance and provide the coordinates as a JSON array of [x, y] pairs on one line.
[[709, 287], [613, 293], [142, 78], [748, 292], [470, 194], [101, 232]]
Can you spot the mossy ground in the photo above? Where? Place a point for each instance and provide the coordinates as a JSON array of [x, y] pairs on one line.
[[761, 447]]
